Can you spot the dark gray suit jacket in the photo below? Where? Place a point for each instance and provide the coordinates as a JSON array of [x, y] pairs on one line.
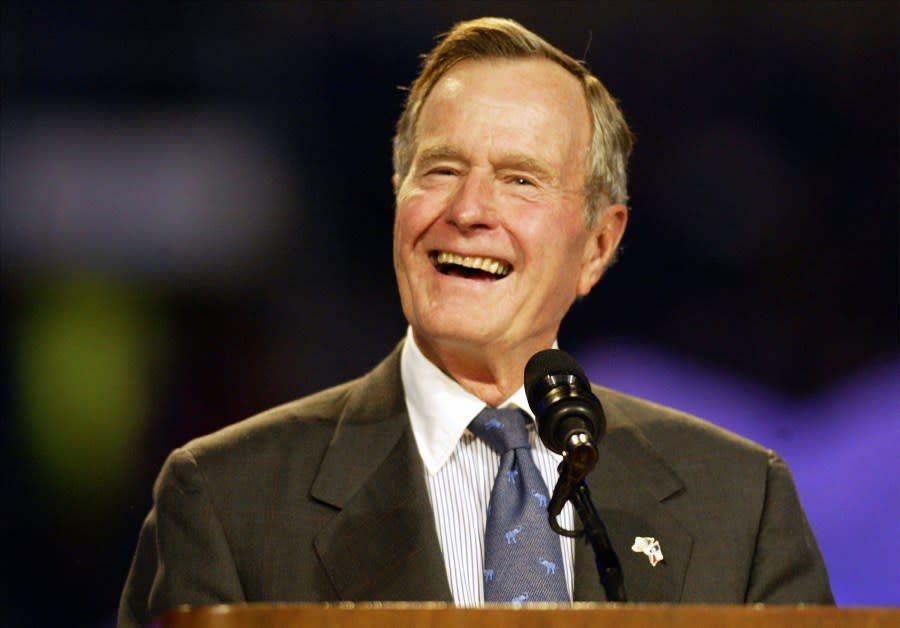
[[324, 499]]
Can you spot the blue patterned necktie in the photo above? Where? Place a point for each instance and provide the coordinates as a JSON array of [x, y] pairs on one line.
[[522, 558]]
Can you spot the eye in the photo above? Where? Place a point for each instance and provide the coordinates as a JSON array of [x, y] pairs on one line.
[[442, 171], [521, 181]]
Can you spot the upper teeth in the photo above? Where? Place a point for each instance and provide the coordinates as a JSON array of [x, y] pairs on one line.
[[478, 263]]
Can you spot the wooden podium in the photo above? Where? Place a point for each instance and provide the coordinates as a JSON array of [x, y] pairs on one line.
[[393, 615]]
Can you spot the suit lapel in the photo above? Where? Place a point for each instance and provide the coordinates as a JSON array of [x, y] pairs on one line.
[[630, 488], [382, 545]]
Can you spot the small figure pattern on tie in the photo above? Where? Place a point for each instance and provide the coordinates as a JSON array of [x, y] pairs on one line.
[[522, 556]]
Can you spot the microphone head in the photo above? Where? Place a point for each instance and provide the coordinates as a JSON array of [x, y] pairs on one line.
[[550, 362], [560, 396]]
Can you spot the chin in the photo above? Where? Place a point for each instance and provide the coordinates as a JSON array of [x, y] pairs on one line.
[[454, 332]]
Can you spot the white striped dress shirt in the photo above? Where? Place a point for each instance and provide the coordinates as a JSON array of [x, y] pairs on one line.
[[460, 470]]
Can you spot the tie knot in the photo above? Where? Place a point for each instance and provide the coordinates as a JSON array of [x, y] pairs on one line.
[[501, 428]]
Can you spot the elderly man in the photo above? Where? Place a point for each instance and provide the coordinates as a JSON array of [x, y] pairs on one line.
[[510, 188]]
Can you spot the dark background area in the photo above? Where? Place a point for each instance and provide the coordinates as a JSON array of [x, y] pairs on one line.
[[196, 224]]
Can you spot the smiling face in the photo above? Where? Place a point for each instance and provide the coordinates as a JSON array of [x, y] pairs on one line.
[[490, 242]]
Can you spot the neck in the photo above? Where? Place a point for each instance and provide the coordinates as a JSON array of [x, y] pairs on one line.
[[493, 374]]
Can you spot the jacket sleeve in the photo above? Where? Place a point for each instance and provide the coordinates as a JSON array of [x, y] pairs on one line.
[[787, 565], [183, 555]]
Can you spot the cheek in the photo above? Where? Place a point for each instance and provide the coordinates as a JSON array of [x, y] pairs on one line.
[[558, 250], [404, 226], [551, 238], [417, 218], [410, 219]]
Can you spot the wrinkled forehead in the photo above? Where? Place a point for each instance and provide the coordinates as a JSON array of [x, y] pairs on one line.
[[534, 76], [529, 96]]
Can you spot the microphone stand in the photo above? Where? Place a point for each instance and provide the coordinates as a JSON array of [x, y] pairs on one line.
[[572, 488]]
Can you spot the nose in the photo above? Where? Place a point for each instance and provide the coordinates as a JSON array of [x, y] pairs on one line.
[[473, 204]]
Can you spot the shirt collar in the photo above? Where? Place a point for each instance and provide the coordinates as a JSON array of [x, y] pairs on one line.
[[440, 410]]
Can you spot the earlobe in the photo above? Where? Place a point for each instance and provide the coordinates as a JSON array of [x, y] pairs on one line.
[[601, 246]]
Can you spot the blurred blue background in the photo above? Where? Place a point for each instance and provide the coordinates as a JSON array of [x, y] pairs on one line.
[[196, 224]]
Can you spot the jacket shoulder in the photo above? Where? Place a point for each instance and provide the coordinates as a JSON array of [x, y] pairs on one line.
[[313, 419], [315, 413], [673, 432]]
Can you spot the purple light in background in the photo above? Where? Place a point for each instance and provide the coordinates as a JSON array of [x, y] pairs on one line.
[[841, 447]]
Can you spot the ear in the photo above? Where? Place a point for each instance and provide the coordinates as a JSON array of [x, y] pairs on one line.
[[395, 183], [601, 246]]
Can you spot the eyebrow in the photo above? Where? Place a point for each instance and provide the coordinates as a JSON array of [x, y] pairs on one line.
[[438, 153], [517, 161]]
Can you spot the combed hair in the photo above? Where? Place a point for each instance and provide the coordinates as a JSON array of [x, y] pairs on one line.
[[500, 38]]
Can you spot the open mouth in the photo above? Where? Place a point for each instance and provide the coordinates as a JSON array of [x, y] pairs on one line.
[[483, 268]]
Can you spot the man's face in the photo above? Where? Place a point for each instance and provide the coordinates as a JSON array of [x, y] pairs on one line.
[[490, 242]]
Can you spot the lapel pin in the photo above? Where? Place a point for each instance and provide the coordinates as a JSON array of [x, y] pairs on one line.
[[649, 546]]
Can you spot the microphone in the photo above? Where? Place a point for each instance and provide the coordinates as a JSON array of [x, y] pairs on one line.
[[559, 394], [571, 422], [569, 416]]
